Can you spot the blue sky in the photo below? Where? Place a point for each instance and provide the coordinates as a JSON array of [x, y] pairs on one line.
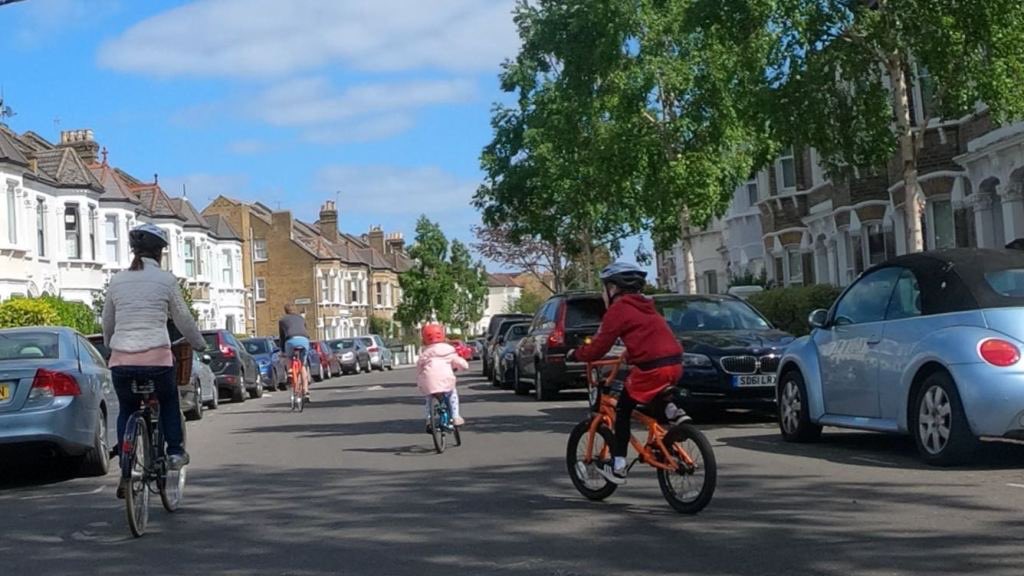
[[284, 102]]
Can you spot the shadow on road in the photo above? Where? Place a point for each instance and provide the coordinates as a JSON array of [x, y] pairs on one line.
[[872, 450]]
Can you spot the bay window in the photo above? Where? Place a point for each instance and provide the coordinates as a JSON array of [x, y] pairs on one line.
[[795, 265], [190, 258], [12, 213], [41, 227], [112, 239], [92, 233], [72, 232], [787, 170]]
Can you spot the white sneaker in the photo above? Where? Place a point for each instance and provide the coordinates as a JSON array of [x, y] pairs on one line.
[[676, 415], [178, 461], [612, 475]]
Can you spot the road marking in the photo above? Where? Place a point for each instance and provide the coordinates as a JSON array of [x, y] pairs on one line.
[[374, 388], [872, 460], [45, 496], [1012, 485]]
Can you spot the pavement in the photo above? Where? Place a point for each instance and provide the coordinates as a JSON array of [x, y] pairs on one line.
[[353, 486]]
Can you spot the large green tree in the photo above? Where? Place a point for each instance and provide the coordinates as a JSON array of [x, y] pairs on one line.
[[626, 117], [444, 282], [838, 74]]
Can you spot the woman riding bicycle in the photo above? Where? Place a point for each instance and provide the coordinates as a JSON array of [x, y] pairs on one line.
[[651, 348], [138, 305]]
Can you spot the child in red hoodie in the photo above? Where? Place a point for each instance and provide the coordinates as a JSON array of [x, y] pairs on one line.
[[652, 350]]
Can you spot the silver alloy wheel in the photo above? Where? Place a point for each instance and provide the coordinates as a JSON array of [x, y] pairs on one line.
[[934, 420], [791, 406]]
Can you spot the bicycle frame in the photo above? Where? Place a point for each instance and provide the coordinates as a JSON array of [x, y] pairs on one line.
[[653, 451], [149, 413]]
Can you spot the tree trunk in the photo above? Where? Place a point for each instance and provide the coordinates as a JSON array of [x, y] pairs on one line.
[[908, 153], [691, 269]]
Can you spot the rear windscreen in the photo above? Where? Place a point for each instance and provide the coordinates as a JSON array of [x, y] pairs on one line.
[[29, 346], [1009, 283], [584, 312], [211, 340]]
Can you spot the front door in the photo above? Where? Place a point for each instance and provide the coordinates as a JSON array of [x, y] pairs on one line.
[[849, 364]]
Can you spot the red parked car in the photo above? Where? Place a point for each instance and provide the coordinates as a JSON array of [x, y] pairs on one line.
[[463, 350]]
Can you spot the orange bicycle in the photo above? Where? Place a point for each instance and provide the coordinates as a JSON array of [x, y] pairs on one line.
[[295, 370], [682, 455]]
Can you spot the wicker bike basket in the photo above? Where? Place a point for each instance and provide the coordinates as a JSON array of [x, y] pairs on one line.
[[182, 362]]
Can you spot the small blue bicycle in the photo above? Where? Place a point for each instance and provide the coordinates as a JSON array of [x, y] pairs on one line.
[[442, 422]]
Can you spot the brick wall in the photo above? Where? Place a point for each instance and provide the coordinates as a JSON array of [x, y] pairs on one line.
[[289, 273]]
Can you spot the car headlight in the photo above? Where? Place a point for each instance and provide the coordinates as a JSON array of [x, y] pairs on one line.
[[696, 361]]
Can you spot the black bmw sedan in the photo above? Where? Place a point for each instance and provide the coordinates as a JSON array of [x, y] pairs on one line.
[[731, 351]]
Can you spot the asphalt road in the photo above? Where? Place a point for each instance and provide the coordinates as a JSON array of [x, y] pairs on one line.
[[352, 486]]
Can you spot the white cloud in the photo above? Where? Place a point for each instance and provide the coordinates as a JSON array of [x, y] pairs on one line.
[[369, 130], [313, 101], [395, 191], [247, 146], [271, 38], [38, 21]]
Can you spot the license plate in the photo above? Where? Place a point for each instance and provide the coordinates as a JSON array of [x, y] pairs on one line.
[[754, 381], [5, 392]]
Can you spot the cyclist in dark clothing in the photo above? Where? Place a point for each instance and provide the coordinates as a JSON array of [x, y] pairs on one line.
[[292, 329]]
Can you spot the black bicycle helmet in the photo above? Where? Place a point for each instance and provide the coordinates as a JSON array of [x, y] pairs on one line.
[[627, 276], [147, 239]]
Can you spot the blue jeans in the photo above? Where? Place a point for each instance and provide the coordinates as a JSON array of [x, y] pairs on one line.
[[166, 394]]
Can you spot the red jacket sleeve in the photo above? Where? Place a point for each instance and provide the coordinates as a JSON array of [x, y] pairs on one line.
[[607, 334]]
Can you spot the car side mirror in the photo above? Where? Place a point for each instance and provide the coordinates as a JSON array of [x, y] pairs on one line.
[[207, 359], [818, 319]]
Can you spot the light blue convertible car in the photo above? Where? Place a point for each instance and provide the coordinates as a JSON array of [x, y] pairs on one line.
[[927, 344]]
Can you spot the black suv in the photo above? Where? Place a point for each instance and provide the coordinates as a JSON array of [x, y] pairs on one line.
[[491, 337], [560, 325], [236, 370]]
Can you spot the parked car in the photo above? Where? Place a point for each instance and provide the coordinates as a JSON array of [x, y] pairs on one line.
[[478, 348], [381, 356], [489, 336], [352, 353], [508, 344], [731, 351], [463, 350], [329, 366], [201, 391], [236, 370], [926, 344], [270, 360], [56, 394], [562, 323], [203, 382]]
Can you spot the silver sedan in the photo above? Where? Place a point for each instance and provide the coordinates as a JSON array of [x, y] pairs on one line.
[[56, 394], [925, 344]]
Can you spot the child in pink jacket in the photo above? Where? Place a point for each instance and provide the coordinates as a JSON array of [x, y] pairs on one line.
[[435, 370]]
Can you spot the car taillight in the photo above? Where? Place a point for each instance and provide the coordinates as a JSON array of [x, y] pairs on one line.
[[372, 349], [557, 336], [48, 383], [999, 353], [225, 350]]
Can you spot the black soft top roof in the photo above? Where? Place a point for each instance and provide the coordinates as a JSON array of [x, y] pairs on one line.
[[954, 280]]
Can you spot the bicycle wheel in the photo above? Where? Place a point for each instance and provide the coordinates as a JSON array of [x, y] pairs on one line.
[[172, 483], [689, 489], [585, 477], [136, 497], [437, 423]]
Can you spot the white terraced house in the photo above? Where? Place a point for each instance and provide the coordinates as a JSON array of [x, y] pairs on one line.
[[64, 222]]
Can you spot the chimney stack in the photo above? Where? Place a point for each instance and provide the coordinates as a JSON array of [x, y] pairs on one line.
[[82, 142], [395, 243], [376, 240], [329, 221]]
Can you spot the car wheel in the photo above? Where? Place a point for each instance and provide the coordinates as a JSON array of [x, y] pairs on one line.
[[391, 365], [238, 394], [939, 425], [542, 391], [257, 392], [196, 413], [518, 386], [96, 461], [215, 403], [794, 412]]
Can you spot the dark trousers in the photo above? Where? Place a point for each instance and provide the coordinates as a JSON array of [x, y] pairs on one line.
[[623, 415], [166, 394]]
